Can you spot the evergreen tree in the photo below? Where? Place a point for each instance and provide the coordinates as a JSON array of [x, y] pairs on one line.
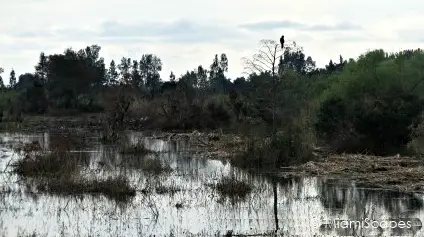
[[12, 80], [112, 74]]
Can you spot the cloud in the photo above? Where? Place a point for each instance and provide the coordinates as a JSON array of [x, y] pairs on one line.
[[410, 35], [286, 24], [179, 31]]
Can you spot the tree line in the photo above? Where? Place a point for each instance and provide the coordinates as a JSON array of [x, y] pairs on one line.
[[370, 104]]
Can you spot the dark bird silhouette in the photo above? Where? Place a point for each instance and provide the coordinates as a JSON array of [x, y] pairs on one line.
[[282, 41]]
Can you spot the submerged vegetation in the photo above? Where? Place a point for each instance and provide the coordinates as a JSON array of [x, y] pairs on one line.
[[58, 172], [233, 188], [136, 149], [154, 166], [116, 188], [55, 163]]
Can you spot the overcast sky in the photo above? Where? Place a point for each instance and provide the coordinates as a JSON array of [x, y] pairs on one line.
[[186, 33]]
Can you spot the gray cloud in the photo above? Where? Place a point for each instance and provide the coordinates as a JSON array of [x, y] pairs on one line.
[[20, 47], [271, 25], [411, 35], [182, 31]]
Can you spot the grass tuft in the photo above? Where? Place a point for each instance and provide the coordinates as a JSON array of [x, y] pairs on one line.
[[232, 188], [137, 149], [116, 188]]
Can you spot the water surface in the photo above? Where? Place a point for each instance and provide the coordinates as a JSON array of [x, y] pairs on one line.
[[302, 204]]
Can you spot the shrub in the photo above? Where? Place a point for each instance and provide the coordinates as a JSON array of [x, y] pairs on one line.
[[290, 146], [372, 106]]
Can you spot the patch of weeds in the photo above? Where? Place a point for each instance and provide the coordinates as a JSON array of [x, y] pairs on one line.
[[232, 188], [110, 138], [11, 126], [53, 164], [154, 166], [34, 234], [137, 149], [167, 189], [33, 146], [117, 188]]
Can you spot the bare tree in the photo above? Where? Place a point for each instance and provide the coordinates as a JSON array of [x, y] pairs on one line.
[[267, 61]]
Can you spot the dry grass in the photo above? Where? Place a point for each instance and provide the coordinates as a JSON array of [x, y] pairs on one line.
[[155, 166], [54, 164], [137, 149], [232, 188], [167, 189], [55, 172], [116, 188], [33, 146], [395, 172]]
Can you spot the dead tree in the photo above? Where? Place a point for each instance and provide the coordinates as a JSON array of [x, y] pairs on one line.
[[266, 61]]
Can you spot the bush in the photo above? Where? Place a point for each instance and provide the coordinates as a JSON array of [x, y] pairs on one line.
[[375, 125], [217, 112], [372, 106], [290, 146]]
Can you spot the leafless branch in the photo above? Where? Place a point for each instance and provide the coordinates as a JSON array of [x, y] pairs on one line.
[[266, 59]]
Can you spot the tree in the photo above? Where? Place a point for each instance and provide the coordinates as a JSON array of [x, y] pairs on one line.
[[330, 67], [294, 59], [12, 79], [112, 74], [136, 79], [358, 107], [124, 70], [1, 79], [202, 78], [265, 62], [172, 77], [189, 78], [33, 97], [73, 75], [42, 67], [150, 67], [216, 74]]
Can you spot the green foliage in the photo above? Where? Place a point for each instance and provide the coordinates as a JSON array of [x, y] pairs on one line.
[[6, 97], [372, 105], [12, 79]]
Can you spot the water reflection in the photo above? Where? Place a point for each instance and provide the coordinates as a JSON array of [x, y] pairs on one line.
[[302, 204]]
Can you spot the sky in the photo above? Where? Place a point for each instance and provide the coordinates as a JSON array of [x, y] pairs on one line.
[[188, 33]]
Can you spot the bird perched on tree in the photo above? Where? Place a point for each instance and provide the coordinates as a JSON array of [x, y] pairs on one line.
[[282, 41]]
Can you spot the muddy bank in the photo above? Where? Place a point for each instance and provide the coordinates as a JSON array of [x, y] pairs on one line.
[[88, 122], [404, 174]]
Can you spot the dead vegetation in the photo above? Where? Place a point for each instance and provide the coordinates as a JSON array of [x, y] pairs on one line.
[[116, 188], [136, 149], [116, 115], [394, 172], [57, 172], [39, 162], [232, 188], [167, 189], [154, 166], [215, 145]]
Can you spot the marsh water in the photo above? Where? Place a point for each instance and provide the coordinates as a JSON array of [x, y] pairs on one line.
[[194, 207]]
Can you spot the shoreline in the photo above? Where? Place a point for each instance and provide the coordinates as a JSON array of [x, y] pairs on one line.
[[402, 174]]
